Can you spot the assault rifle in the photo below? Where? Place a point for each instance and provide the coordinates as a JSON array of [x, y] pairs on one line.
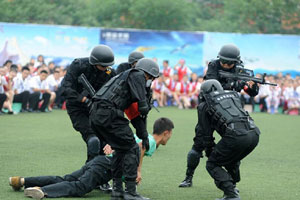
[[243, 75], [86, 84]]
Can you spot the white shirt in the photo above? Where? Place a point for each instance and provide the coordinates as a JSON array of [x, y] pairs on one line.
[[2, 82], [21, 85], [52, 83], [35, 82]]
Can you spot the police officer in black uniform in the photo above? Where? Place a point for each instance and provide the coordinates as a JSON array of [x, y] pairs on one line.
[[221, 111], [132, 60], [228, 59], [107, 118], [97, 70]]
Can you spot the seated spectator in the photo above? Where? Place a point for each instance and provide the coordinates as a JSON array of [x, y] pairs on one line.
[[169, 94], [3, 96], [8, 88], [193, 89], [21, 89], [182, 93], [157, 90], [53, 82], [39, 92], [273, 99]]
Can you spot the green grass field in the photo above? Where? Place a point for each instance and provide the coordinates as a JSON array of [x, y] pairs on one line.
[[46, 144]]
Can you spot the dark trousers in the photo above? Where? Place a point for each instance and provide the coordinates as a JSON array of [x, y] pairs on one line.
[[34, 100], [114, 127], [79, 115], [59, 100], [3, 97], [228, 153], [77, 183], [22, 98]]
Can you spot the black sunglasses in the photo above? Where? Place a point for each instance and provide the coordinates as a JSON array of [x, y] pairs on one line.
[[228, 62]]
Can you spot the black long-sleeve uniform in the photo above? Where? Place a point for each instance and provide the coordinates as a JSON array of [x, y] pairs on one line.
[[212, 73], [73, 92]]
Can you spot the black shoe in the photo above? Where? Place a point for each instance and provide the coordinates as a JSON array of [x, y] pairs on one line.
[[10, 112], [187, 182], [117, 195], [136, 196], [233, 195], [105, 188]]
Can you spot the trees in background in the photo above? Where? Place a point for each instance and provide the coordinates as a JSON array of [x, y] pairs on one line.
[[251, 16]]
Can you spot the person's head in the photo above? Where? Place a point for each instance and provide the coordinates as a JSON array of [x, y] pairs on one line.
[[51, 65], [25, 72], [181, 62], [194, 77], [209, 86], [7, 63], [102, 57], [162, 128], [56, 73], [150, 68], [40, 58], [185, 78], [43, 75], [134, 57], [165, 63], [229, 56], [13, 71]]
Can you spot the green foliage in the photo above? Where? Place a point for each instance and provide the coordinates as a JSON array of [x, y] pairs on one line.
[[253, 16]]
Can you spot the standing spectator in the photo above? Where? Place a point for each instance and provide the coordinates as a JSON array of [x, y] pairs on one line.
[[21, 89], [38, 92], [40, 61], [182, 69], [167, 70], [51, 67]]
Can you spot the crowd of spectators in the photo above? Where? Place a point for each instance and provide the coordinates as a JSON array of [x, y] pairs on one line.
[[36, 87]]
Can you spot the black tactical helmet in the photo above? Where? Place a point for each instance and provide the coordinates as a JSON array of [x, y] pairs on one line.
[[229, 52], [102, 55], [148, 66], [210, 86], [135, 56]]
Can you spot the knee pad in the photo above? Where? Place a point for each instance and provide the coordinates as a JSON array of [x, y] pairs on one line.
[[193, 159], [93, 145]]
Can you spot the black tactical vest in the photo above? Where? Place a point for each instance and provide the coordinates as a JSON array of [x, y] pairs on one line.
[[225, 108], [116, 91]]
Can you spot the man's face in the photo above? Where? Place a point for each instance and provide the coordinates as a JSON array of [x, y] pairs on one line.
[[227, 64], [101, 68], [43, 76], [166, 136], [25, 74]]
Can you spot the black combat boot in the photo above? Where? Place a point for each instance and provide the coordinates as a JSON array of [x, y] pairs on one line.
[[131, 193], [117, 192], [188, 181], [232, 194]]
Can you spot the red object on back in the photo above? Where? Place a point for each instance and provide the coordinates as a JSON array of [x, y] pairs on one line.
[[132, 111]]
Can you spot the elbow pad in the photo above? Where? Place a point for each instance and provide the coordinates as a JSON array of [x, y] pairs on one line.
[[143, 107]]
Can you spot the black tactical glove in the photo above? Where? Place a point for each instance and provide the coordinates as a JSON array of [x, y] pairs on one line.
[[145, 143], [238, 85], [208, 151]]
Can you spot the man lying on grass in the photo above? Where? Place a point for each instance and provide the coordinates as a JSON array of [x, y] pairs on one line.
[[94, 173]]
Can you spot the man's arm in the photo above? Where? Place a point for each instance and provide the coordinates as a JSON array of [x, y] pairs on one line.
[[139, 171]]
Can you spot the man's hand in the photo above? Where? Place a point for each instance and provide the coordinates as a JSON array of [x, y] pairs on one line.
[[108, 150], [208, 151], [139, 177], [145, 144]]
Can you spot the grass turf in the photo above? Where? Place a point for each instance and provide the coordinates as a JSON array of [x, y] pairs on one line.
[[46, 144]]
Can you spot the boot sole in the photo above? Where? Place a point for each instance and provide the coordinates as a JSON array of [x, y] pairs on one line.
[[34, 193]]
